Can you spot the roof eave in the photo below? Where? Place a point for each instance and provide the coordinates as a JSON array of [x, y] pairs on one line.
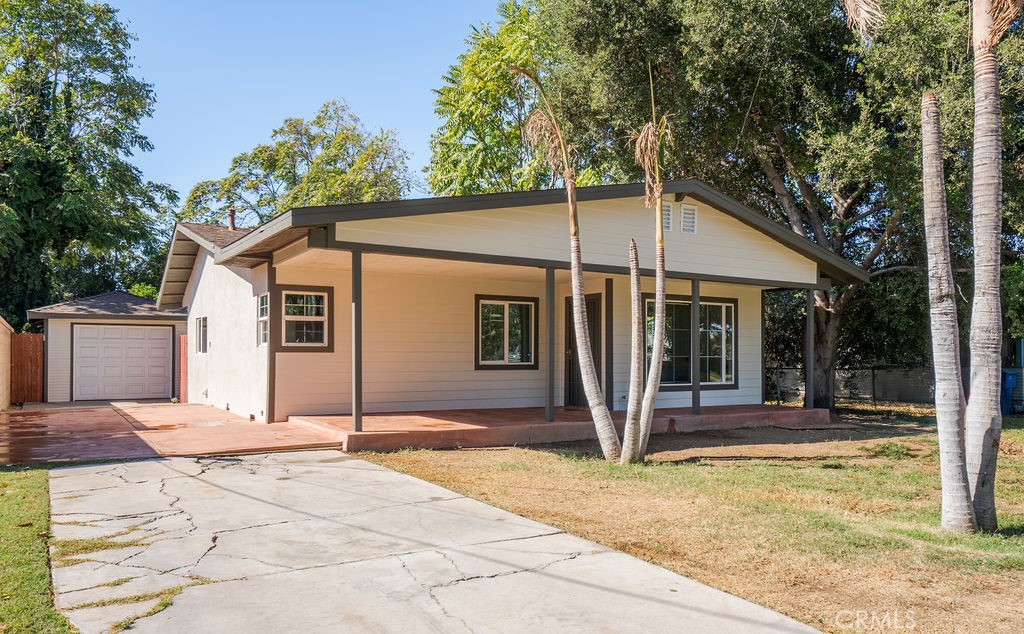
[[35, 314]]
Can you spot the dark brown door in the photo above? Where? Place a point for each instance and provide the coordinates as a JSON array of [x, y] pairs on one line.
[[574, 395]]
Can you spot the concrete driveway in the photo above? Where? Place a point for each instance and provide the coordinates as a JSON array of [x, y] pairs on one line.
[[97, 431], [318, 541]]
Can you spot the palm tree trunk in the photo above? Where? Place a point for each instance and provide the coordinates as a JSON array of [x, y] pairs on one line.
[[631, 433], [957, 510], [606, 433], [984, 421], [658, 349]]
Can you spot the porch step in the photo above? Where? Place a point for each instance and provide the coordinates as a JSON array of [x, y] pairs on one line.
[[531, 433]]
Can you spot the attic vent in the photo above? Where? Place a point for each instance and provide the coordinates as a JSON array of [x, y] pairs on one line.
[[688, 219], [666, 216]]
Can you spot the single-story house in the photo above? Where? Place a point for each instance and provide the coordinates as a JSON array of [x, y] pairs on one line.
[[462, 303], [110, 347]]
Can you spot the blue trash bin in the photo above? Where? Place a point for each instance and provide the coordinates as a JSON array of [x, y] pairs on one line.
[[1009, 385]]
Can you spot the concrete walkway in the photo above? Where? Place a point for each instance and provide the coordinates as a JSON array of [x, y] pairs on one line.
[[318, 541]]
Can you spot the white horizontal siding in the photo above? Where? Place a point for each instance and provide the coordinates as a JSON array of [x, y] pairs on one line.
[[722, 246], [418, 347], [748, 343]]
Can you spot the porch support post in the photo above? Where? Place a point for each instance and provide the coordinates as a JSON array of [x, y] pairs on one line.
[[695, 346], [549, 345], [809, 352], [357, 340]]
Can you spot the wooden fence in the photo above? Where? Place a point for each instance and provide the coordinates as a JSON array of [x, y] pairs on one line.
[[26, 368]]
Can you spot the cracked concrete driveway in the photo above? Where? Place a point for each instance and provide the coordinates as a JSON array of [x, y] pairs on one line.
[[319, 541]]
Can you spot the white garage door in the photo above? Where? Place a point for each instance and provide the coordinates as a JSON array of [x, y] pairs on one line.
[[115, 362]]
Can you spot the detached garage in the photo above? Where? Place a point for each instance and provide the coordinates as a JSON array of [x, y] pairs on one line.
[[114, 346]]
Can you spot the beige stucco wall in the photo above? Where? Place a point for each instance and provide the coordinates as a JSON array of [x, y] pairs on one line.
[[232, 374], [5, 363], [58, 353], [722, 246]]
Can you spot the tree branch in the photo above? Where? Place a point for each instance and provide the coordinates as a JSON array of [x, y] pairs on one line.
[[842, 207], [871, 211], [806, 192], [785, 196]]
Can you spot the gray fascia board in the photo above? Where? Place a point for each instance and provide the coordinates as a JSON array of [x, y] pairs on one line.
[[313, 216], [35, 314], [254, 237], [832, 264]]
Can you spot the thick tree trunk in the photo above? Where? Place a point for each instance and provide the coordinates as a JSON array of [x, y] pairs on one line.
[[631, 435], [957, 509], [606, 433], [826, 341], [984, 421]]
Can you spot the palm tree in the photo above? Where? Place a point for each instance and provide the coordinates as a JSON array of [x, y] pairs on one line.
[[545, 134], [957, 509], [981, 420], [990, 21], [647, 146]]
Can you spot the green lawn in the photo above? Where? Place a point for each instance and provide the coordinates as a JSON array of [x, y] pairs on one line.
[[25, 601]]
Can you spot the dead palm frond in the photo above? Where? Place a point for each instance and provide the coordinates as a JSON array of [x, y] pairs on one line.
[[543, 132], [647, 145], [1004, 12], [542, 136], [864, 16]]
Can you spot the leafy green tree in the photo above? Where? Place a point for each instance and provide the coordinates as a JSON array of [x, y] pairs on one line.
[[329, 159], [778, 104], [70, 110], [481, 145], [142, 289]]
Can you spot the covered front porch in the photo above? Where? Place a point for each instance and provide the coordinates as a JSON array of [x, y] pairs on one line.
[[444, 429]]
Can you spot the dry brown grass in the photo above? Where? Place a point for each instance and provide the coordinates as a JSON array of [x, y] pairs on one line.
[[810, 523]]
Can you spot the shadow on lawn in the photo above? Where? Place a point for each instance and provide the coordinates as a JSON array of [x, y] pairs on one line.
[[773, 443]]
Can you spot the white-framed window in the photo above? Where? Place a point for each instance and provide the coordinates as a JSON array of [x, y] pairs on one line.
[[202, 343], [305, 318], [666, 217], [506, 332], [263, 319], [688, 219], [717, 341]]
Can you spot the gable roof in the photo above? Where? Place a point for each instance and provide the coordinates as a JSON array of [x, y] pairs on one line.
[[256, 245], [188, 238], [116, 305]]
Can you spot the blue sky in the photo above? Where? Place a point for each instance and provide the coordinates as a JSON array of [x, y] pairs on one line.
[[227, 73]]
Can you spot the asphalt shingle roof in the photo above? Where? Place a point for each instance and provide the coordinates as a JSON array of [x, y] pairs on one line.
[[217, 235], [116, 303]]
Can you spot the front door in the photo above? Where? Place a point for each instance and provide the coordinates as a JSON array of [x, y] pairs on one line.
[[574, 394]]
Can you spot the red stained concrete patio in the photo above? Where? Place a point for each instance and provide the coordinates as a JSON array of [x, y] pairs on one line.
[[524, 426], [46, 434]]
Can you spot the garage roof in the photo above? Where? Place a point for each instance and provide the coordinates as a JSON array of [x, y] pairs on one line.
[[114, 305]]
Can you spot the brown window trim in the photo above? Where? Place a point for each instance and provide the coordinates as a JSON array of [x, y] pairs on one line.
[[277, 313], [704, 387], [476, 332]]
